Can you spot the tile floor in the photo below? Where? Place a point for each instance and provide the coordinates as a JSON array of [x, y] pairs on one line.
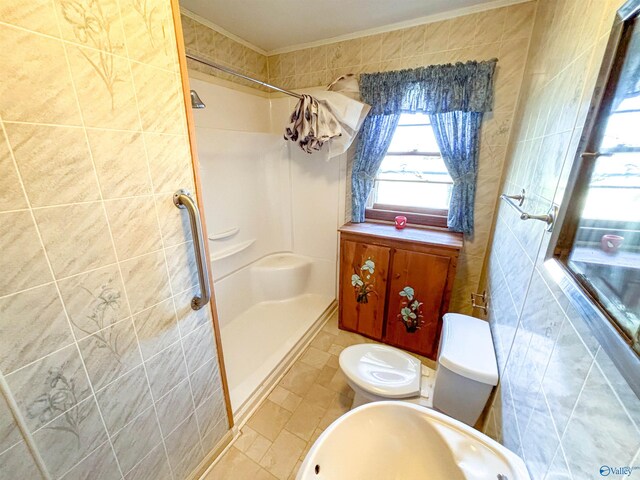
[[311, 395]]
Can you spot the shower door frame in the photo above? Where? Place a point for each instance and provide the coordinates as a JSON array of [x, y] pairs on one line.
[[184, 78]]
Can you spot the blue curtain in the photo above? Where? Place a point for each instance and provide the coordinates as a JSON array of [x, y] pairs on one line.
[[457, 136], [375, 137], [455, 96]]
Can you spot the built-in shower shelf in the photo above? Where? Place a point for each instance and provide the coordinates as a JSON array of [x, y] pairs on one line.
[[227, 252], [226, 234]]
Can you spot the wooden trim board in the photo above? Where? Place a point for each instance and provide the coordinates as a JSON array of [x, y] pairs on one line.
[[191, 130]]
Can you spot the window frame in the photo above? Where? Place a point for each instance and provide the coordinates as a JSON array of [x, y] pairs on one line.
[[430, 217], [612, 339]]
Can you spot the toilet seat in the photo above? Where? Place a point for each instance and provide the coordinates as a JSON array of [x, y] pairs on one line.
[[382, 370]]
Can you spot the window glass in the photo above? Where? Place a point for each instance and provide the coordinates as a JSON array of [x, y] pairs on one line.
[[414, 138], [413, 173]]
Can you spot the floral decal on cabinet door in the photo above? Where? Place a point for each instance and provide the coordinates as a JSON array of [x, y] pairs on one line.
[[410, 311], [363, 282]]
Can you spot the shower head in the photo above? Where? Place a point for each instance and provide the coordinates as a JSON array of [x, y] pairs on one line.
[[196, 102]]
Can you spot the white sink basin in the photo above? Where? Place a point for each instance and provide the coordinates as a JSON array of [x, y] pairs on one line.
[[404, 441]]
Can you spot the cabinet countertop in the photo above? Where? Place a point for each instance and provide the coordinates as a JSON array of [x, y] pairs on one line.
[[424, 236]]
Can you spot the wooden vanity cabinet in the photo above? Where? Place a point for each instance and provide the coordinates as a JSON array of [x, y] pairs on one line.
[[395, 285]]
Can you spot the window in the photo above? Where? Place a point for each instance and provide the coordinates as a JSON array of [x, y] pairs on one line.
[[412, 179], [605, 252], [597, 249]]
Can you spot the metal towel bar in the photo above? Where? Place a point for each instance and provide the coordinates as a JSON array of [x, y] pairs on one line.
[[182, 199], [483, 298], [548, 218]]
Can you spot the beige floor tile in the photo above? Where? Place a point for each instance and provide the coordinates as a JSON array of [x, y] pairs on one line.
[[258, 448], [305, 420], [320, 396], [331, 326], [340, 405], [315, 358], [236, 465], [300, 378], [346, 339], [285, 398], [278, 395], [323, 341], [311, 396], [292, 402], [264, 475], [334, 362], [247, 436], [316, 433], [335, 349], [269, 420], [283, 455], [326, 375], [339, 384], [294, 472]]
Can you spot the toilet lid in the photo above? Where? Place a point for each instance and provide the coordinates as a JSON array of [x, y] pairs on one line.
[[382, 370], [466, 348]]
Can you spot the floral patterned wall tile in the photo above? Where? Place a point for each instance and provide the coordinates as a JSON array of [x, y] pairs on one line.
[[70, 437], [93, 141]]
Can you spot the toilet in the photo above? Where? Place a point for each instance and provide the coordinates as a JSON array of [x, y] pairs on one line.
[[460, 387]]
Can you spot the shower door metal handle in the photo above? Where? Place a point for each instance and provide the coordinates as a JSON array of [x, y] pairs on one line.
[[182, 199]]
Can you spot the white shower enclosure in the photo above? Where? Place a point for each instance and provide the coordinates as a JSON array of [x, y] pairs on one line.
[[272, 213]]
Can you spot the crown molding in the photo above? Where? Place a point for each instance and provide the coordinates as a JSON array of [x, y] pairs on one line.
[[400, 25]]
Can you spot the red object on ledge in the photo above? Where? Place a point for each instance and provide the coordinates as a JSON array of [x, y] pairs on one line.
[[401, 222]]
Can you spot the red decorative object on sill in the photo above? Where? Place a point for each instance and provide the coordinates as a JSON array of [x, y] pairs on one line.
[[401, 222], [611, 243]]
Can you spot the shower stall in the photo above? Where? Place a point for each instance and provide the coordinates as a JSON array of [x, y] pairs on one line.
[[272, 213]]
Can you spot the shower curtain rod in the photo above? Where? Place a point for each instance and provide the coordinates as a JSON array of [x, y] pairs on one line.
[[238, 74]]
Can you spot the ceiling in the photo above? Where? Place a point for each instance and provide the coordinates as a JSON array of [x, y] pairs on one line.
[[279, 24]]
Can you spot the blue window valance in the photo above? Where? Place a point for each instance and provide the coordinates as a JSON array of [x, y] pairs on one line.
[[460, 87]]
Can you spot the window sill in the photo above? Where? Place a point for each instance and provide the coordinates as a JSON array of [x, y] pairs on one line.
[[422, 217], [424, 235]]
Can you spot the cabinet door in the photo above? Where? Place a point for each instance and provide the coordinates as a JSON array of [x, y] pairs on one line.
[[363, 286], [416, 294]]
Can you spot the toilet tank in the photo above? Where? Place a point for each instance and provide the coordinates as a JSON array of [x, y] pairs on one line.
[[467, 370]]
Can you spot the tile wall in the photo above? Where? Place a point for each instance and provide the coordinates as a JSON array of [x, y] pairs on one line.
[[501, 33], [202, 40], [561, 403], [109, 371]]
